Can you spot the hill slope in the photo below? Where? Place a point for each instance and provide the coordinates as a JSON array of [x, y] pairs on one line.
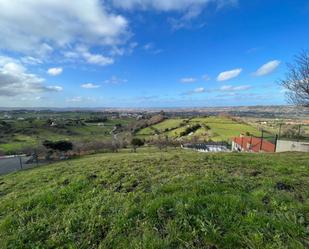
[[214, 128], [153, 199]]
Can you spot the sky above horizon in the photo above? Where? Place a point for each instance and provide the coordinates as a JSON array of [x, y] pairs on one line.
[[147, 53]]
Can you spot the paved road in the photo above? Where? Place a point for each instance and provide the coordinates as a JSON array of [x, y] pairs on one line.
[[8, 165]]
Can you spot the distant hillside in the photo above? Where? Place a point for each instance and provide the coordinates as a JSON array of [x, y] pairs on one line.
[[279, 111], [153, 199]]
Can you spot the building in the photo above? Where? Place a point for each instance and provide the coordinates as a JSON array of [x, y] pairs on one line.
[[206, 147], [252, 144]]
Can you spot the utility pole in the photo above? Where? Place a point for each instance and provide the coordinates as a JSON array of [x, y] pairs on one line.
[[261, 147], [280, 126], [276, 141], [298, 136]]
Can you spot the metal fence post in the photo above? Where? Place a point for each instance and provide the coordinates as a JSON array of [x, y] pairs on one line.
[[276, 141], [21, 162], [280, 126], [261, 148]]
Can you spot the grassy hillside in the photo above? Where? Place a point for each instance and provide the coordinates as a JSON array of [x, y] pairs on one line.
[[214, 128], [22, 133], [152, 199]]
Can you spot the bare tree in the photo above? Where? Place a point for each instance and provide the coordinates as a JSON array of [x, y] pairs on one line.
[[297, 80]]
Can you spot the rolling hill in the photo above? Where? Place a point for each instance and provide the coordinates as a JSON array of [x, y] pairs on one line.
[[155, 199]]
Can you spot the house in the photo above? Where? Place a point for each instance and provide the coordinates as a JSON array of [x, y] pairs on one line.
[[252, 144]]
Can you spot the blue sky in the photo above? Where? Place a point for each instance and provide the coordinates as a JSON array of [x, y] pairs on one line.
[[146, 53]]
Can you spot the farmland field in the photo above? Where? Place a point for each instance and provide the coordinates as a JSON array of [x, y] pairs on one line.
[[212, 128], [23, 133], [28, 132], [154, 199]]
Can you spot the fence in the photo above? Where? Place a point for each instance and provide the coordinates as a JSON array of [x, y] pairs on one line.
[[10, 164]]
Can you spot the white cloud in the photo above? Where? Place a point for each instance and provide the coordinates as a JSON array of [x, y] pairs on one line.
[[151, 48], [115, 80], [235, 88], [195, 91], [148, 46], [188, 80], [267, 68], [189, 9], [55, 71], [75, 99], [55, 88], [199, 90], [89, 86], [98, 59], [227, 75], [80, 99], [16, 80], [169, 5], [205, 77], [29, 60], [38, 27]]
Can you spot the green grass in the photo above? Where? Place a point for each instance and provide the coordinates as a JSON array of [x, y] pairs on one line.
[[90, 132], [221, 128], [152, 199], [161, 127]]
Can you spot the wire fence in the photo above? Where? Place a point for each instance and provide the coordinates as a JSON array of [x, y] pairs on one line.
[[14, 163]]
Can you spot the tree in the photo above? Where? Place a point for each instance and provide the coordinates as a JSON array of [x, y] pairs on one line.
[[296, 81], [61, 146], [137, 142]]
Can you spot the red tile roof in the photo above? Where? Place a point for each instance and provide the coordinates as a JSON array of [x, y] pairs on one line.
[[254, 144]]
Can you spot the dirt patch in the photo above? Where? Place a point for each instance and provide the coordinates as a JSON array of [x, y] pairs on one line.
[[66, 182], [118, 188], [213, 247], [132, 187], [255, 173], [265, 200], [104, 184], [300, 198], [284, 186], [92, 177]]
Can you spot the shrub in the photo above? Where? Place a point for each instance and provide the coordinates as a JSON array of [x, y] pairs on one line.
[[190, 129], [137, 142], [62, 146]]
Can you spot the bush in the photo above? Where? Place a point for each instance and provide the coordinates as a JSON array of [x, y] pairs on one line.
[[62, 146], [137, 142], [190, 129]]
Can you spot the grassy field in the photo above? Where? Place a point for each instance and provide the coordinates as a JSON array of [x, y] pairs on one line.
[[214, 128], [153, 199], [32, 134], [161, 127]]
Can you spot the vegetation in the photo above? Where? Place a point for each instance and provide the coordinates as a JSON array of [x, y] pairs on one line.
[[297, 80], [152, 199], [62, 146], [25, 131], [137, 142], [206, 128], [190, 129]]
